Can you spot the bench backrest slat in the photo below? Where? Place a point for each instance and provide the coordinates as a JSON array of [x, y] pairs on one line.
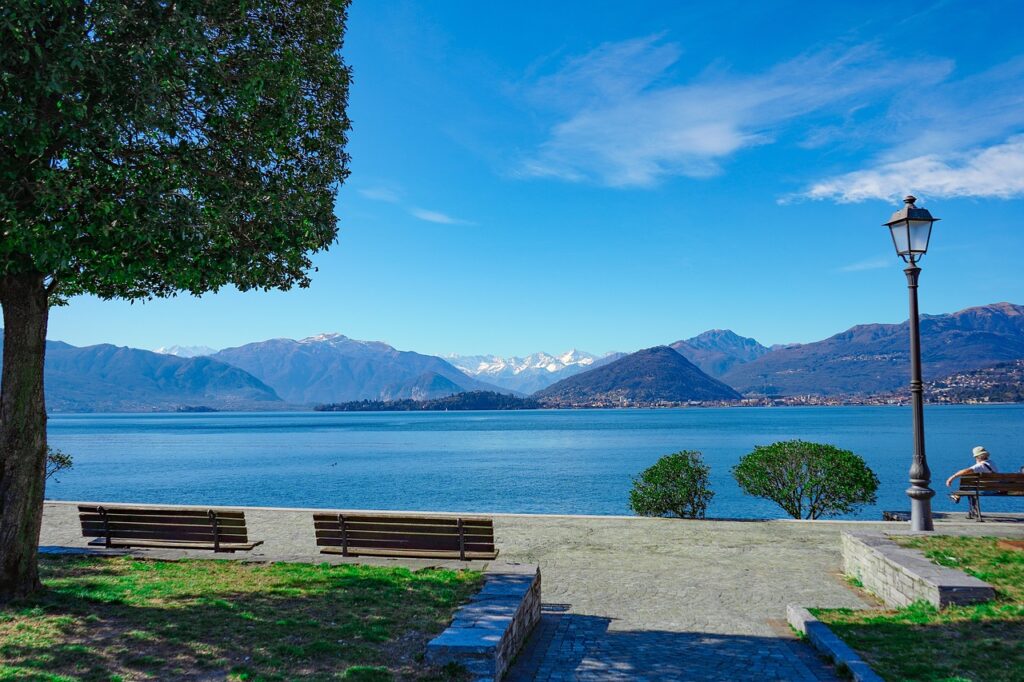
[[992, 482]]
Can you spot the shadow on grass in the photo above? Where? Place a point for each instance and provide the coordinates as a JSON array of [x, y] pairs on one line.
[[570, 646], [107, 619], [982, 651]]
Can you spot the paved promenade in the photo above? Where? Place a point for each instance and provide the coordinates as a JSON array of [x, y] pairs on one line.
[[639, 599]]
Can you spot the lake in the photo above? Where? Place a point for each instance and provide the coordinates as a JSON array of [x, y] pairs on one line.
[[543, 461]]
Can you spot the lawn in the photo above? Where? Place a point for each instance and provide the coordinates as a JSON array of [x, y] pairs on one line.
[[120, 618], [918, 642]]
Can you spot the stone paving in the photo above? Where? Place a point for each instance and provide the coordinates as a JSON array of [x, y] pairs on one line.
[[640, 599]]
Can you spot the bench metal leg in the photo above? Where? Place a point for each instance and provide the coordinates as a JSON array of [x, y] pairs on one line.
[[344, 534], [106, 527], [462, 541], [974, 510]]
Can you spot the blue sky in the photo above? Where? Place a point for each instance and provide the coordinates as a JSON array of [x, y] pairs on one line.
[[609, 176]]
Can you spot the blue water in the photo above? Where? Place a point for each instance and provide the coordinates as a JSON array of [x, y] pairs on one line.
[[572, 462]]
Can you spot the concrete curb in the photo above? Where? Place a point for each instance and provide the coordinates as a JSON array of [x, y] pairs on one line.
[[828, 643], [488, 632]]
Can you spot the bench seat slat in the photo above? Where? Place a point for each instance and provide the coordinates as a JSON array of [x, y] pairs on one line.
[[224, 546], [412, 553]]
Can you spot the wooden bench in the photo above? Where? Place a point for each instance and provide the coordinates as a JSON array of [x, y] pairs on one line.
[[221, 531], [445, 537], [976, 486]]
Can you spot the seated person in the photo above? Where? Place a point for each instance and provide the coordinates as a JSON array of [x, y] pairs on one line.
[[982, 465]]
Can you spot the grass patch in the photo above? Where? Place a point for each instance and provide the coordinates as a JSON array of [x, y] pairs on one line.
[[982, 642], [103, 619]]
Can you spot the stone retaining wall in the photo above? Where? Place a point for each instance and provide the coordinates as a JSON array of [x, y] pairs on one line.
[[489, 631], [901, 576]]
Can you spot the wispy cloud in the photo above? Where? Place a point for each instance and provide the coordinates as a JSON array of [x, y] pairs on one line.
[[996, 171], [437, 217], [876, 263], [380, 194], [625, 123]]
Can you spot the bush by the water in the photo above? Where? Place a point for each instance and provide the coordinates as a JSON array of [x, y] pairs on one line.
[[676, 485], [808, 480]]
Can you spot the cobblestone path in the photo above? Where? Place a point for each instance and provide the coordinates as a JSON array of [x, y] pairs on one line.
[[665, 600]]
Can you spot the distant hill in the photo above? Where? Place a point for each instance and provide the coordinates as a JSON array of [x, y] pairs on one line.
[[658, 374], [531, 373], [719, 350], [108, 378], [332, 368], [473, 400], [874, 358]]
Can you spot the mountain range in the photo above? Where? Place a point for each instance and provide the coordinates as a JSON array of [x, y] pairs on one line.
[[870, 359]]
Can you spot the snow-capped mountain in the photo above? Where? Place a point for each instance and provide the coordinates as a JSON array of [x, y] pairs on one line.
[[186, 351], [531, 373]]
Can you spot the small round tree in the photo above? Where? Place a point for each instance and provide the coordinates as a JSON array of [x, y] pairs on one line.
[[676, 485], [808, 480]]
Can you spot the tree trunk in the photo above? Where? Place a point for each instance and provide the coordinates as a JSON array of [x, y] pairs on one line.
[[22, 432]]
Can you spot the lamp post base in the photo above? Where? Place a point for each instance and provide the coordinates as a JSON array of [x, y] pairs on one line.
[[921, 509]]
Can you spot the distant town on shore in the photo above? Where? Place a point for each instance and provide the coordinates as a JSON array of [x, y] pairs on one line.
[[975, 355]]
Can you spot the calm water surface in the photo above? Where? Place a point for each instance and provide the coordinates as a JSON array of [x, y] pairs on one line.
[[572, 462]]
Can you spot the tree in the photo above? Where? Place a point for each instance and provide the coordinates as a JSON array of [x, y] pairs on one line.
[[808, 480], [56, 461], [676, 485], [151, 148]]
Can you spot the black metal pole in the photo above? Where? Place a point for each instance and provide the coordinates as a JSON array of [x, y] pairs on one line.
[[920, 476]]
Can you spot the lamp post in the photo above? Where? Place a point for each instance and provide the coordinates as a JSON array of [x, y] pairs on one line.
[[911, 228]]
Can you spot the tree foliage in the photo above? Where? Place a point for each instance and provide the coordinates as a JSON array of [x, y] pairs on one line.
[[154, 147], [808, 480], [676, 485]]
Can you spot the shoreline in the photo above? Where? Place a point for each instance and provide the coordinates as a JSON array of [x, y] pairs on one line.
[[302, 409]]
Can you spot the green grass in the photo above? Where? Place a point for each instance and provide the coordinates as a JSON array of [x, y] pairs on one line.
[[983, 642], [107, 619]]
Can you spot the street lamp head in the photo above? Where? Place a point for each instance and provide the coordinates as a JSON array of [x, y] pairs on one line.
[[911, 228]]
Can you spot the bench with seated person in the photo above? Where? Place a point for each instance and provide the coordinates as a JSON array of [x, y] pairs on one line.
[[975, 486]]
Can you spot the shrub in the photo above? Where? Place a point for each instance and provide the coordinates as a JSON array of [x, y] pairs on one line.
[[676, 485], [808, 480]]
